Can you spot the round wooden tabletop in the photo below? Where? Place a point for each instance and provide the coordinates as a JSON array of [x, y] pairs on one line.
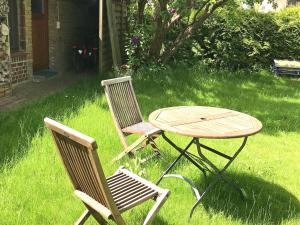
[[205, 122]]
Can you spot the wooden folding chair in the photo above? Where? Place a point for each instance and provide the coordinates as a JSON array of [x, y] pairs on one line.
[[105, 199], [127, 116]]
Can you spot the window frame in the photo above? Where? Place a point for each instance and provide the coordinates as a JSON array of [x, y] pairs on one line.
[[14, 20], [42, 13]]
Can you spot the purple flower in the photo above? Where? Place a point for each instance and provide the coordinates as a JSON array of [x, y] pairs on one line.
[[172, 10], [135, 40]]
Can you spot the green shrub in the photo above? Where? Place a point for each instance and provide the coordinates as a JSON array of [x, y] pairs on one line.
[[247, 39]]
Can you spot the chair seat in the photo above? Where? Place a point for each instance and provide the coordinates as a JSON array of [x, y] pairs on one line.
[[140, 128], [128, 191]]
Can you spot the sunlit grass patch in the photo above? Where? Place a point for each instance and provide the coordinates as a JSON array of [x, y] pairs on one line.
[[34, 188]]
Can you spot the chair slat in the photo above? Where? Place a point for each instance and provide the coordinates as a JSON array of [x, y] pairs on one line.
[[75, 162], [115, 177], [91, 176], [126, 179], [122, 115], [71, 161], [121, 186], [127, 190], [136, 201], [116, 181], [76, 156], [124, 106], [130, 193], [134, 197]]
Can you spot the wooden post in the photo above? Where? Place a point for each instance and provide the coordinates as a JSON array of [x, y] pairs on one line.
[[114, 39], [101, 40]]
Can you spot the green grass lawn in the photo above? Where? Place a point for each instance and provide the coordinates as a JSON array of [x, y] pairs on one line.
[[34, 188]]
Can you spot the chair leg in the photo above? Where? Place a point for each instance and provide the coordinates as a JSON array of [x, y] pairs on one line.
[[99, 219], [155, 149], [153, 144], [129, 151], [158, 204], [140, 143], [132, 148], [85, 215]]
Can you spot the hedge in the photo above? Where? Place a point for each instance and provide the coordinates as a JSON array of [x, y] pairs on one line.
[[248, 39]]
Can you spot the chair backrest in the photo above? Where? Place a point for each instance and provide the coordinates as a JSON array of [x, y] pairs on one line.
[[122, 101], [79, 155]]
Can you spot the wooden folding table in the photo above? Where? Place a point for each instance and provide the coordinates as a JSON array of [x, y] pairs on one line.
[[204, 122]]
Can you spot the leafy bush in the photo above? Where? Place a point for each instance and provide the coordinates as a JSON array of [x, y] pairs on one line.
[[137, 39], [247, 39]]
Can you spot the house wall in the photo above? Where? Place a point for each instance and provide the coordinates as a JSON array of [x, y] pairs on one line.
[[21, 62], [4, 53], [16, 67], [20, 65], [71, 15]]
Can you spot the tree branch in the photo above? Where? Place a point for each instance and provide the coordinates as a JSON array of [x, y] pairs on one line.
[[199, 10], [190, 29], [174, 20]]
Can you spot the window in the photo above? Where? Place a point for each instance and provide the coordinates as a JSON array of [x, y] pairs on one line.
[[14, 25], [16, 19], [37, 7]]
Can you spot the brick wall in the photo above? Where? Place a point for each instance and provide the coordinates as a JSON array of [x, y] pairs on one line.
[[19, 68], [21, 62]]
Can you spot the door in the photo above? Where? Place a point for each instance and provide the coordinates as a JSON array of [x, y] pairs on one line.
[[40, 39]]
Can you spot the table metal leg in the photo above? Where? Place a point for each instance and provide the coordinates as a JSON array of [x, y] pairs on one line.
[[218, 172], [184, 152], [175, 161], [191, 183], [203, 164]]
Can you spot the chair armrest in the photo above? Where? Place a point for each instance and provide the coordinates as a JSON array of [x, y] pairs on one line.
[[95, 205]]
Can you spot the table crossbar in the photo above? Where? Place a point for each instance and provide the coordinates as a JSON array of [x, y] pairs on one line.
[[203, 164]]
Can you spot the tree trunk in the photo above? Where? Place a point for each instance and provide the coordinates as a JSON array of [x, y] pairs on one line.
[[141, 9], [161, 31], [157, 43], [178, 42]]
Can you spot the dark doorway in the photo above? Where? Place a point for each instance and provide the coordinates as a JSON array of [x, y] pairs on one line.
[[85, 56], [40, 34]]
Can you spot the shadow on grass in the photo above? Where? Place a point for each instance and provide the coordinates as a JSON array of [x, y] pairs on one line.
[[158, 220], [271, 100], [266, 203], [18, 127]]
